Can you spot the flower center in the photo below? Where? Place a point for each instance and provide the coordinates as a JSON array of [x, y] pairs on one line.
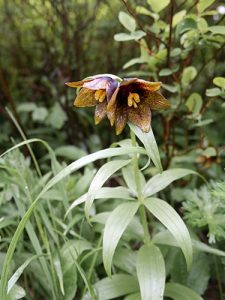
[[133, 99], [100, 95]]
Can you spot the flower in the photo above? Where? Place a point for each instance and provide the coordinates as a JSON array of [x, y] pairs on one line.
[[132, 101], [96, 91], [120, 100]]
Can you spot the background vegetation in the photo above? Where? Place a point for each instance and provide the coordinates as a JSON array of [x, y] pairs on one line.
[[43, 44]]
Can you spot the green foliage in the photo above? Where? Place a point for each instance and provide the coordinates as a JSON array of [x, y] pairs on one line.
[[111, 224], [205, 208]]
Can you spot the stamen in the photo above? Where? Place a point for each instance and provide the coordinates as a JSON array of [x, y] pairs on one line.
[[133, 99], [100, 95]]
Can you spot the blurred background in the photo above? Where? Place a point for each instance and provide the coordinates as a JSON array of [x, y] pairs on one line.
[[44, 44]]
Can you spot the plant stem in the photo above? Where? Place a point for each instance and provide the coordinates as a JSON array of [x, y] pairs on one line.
[[139, 192], [92, 265]]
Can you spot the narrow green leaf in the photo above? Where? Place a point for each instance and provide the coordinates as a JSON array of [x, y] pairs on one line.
[[135, 296], [119, 192], [173, 222], [115, 225], [151, 272], [178, 291], [103, 174], [17, 292], [161, 181], [164, 237], [114, 287], [125, 259], [19, 272], [127, 21], [61, 175], [59, 272], [149, 143]]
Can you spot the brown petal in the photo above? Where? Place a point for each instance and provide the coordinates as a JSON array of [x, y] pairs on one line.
[[128, 81], [85, 98], [140, 116], [111, 113], [100, 112], [156, 100], [121, 119], [112, 101], [147, 85], [75, 84]]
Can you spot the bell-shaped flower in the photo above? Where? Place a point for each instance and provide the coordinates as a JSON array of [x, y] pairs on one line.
[[95, 91], [133, 101]]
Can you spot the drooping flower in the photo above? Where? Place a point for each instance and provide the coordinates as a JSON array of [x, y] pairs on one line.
[[120, 100], [132, 101], [95, 91]]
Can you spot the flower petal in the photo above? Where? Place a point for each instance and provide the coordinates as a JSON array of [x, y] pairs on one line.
[[111, 113], [110, 88], [100, 112], [97, 84], [127, 81], [156, 100], [75, 84], [85, 98], [147, 85], [140, 116], [121, 119], [112, 100]]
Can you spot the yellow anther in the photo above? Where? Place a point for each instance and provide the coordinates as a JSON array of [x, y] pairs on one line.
[[133, 99], [100, 95], [136, 97]]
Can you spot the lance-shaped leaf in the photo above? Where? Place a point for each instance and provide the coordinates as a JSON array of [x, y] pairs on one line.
[[161, 181], [115, 225], [19, 272], [149, 142], [173, 222], [103, 174], [151, 272], [114, 287], [119, 192], [178, 291]]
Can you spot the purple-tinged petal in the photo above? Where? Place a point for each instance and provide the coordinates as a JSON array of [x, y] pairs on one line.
[[111, 87], [112, 100], [97, 84]]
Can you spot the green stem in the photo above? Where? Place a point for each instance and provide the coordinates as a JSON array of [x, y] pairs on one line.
[[139, 192], [93, 262]]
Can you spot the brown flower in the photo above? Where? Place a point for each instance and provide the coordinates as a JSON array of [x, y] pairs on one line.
[[120, 100], [96, 91], [132, 101]]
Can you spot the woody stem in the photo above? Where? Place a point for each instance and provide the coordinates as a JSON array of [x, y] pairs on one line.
[[142, 211]]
